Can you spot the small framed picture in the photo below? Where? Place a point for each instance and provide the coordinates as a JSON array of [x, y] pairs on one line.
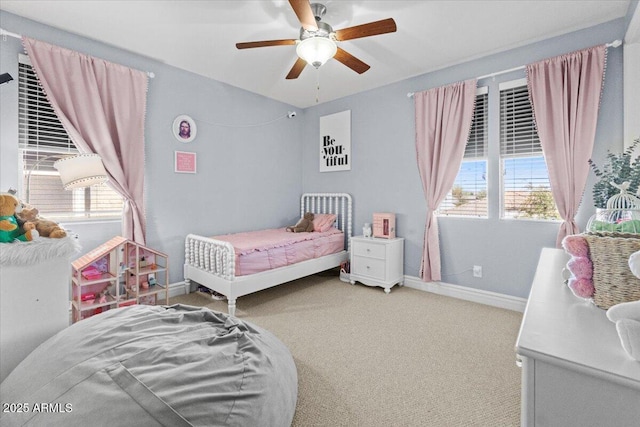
[[185, 162], [184, 129]]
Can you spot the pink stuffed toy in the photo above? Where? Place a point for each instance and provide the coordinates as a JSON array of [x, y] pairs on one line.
[[576, 245], [581, 267], [582, 288]]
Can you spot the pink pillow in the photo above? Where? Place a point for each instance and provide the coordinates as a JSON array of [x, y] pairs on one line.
[[323, 222]]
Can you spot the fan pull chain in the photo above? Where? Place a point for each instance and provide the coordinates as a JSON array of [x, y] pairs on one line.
[[317, 85]]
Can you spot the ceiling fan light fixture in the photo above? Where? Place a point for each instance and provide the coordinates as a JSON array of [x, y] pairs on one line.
[[316, 50]]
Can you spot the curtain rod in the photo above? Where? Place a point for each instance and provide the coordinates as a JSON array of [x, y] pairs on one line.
[[614, 43], [4, 33]]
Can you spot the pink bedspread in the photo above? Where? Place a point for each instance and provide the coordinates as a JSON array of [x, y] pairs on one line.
[[272, 248]]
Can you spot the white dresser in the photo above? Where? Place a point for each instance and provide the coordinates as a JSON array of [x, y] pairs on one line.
[[377, 262], [34, 296], [574, 369]]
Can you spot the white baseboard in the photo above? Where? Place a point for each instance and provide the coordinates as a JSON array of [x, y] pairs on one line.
[[494, 299], [176, 289], [469, 294]]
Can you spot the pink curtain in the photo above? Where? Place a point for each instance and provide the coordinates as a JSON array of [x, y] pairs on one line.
[[565, 95], [443, 122], [102, 107]]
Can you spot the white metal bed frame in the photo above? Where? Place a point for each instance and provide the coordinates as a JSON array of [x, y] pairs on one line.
[[211, 262]]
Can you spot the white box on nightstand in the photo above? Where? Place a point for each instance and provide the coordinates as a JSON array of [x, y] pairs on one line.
[[377, 262]]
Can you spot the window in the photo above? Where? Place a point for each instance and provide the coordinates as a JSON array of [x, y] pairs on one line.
[[525, 192], [468, 197], [43, 140]]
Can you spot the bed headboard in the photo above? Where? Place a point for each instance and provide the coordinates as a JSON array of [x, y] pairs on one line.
[[333, 203]]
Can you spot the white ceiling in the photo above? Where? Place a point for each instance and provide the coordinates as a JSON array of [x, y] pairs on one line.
[[200, 36]]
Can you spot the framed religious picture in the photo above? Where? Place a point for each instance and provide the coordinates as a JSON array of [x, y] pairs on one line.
[[335, 142], [184, 128], [185, 162]]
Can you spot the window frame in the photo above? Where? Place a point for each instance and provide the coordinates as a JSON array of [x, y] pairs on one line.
[[534, 153], [482, 91], [42, 140]]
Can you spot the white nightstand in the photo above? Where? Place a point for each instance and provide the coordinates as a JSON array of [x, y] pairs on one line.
[[377, 262]]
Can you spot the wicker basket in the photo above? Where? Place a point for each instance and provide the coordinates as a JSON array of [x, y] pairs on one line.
[[612, 278]]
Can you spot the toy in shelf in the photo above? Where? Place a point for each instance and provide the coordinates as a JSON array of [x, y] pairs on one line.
[[91, 273], [110, 277]]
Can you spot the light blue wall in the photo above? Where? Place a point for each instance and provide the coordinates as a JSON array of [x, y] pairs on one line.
[[384, 175], [248, 176], [252, 177], [632, 8]]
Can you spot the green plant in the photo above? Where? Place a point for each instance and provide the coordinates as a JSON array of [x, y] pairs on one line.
[[620, 167], [539, 204]]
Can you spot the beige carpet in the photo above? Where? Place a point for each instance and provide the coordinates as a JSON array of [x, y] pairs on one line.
[[410, 358]]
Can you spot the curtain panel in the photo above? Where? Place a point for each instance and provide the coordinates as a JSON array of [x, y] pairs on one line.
[[443, 118], [565, 95], [102, 107]]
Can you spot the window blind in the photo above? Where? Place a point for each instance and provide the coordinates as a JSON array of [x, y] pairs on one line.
[[477, 143], [38, 124], [518, 135]]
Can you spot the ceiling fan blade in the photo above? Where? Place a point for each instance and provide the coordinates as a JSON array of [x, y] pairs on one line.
[[264, 43], [303, 11], [365, 30], [296, 69], [351, 61]]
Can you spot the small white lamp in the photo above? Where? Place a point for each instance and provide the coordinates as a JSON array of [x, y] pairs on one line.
[[82, 170], [316, 50]]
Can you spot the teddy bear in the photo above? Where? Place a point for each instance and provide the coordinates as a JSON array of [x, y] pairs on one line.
[[305, 225], [44, 227], [10, 229], [634, 264]]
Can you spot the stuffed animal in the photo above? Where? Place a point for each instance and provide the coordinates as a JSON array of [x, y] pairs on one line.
[[305, 225], [581, 287], [10, 230], [626, 316], [634, 264], [580, 266], [45, 227], [576, 245]]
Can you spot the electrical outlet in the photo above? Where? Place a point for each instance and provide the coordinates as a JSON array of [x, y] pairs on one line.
[[477, 271]]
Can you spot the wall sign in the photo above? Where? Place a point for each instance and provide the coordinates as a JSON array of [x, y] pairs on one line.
[[185, 162], [335, 142]]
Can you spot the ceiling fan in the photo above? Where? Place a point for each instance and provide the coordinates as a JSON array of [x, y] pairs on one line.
[[317, 42]]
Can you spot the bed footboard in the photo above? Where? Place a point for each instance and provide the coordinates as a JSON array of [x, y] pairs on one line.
[[213, 256]]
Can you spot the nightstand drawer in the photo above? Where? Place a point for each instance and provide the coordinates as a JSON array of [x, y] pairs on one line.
[[371, 250], [368, 267]]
